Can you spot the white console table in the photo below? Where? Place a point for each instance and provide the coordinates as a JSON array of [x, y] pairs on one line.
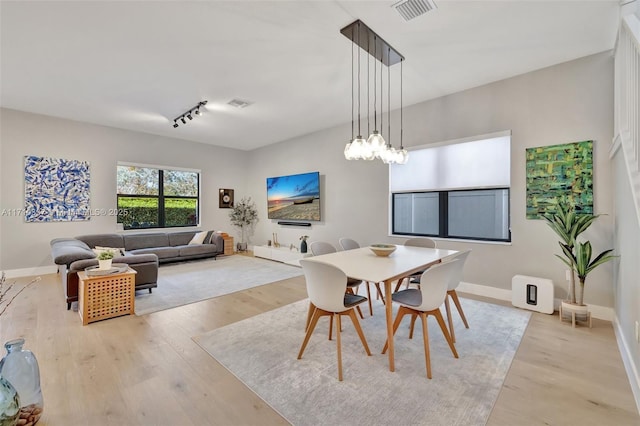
[[280, 254]]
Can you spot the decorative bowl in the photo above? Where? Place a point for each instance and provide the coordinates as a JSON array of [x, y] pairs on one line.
[[382, 249]]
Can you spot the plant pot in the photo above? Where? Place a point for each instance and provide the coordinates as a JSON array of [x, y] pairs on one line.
[[104, 264], [574, 312], [241, 247]]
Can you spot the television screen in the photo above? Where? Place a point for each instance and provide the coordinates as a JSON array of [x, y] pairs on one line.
[[294, 197]]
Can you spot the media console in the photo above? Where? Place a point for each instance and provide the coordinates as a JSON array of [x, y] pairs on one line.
[[282, 254]]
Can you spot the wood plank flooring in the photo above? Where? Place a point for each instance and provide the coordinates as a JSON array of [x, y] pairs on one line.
[[147, 371]]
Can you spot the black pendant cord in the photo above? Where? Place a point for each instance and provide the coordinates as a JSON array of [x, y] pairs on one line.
[[381, 93], [401, 146], [389, 101], [359, 133], [375, 78], [368, 86], [352, 88]]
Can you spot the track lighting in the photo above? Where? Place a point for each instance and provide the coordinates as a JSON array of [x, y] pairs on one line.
[[195, 110]]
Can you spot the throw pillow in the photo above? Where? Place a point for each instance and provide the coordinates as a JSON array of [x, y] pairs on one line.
[[198, 238], [117, 252]]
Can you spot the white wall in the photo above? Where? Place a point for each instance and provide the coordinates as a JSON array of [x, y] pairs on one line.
[[26, 245], [565, 103]]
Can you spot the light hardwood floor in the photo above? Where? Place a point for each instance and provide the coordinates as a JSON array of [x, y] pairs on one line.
[[148, 371]]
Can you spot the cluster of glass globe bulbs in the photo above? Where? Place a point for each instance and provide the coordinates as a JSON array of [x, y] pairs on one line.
[[375, 147]]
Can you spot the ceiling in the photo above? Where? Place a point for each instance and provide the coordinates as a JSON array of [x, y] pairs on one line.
[[138, 65]]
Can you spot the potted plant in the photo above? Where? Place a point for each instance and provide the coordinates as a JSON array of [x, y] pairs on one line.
[[568, 225], [243, 215], [104, 260]]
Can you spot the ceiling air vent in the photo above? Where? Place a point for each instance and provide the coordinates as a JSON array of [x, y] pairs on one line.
[[410, 9], [239, 103]]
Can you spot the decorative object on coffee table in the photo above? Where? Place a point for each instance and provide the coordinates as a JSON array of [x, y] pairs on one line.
[[225, 200], [244, 216], [20, 367], [104, 260], [228, 244], [9, 403], [303, 244]]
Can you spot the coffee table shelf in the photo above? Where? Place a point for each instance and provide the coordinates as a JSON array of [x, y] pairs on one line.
[[107, 296]]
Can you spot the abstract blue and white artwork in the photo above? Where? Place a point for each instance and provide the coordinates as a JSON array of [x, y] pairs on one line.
[[56, 190]]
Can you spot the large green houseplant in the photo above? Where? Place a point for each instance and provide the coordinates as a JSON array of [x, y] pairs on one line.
[[568, 225], [243, 215]]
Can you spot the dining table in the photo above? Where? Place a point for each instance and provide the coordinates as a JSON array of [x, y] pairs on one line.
[[364, 265]]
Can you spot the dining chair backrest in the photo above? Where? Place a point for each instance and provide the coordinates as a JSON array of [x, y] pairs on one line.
[[326, 285], [320, 247], [434, 283], [420, 242], [348, 244], [460, 258]]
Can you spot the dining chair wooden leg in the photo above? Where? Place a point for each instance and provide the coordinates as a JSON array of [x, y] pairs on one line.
[[330, 326], [369, 299], [380, 293], [447, 307], [425, 336], [339, 326], [312, 308], [454, 296], [402, 311], [356, 324], [314, 320], [413, 322], [438, 316], [399, 284]]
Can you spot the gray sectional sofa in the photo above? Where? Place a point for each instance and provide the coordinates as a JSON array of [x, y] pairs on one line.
[[143, 252]]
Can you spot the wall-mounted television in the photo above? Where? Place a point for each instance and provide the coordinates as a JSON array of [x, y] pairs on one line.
[[294, 197]]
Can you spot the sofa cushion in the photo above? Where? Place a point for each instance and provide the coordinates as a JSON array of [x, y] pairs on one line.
[[161, 252], [198, 238], [64, 254], [196, 249], [104, 240], [180, 238], [80, 265], [141, 241]]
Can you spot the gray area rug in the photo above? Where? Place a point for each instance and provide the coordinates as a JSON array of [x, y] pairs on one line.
[[261, 351], [188, 282]]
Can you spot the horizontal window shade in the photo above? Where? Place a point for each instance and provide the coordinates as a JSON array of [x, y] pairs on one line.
[[477, 164]]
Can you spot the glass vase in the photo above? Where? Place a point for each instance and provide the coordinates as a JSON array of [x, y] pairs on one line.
[[9, 403], [20, 367]]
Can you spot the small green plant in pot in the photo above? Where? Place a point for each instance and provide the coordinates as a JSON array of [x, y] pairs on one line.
[[104, 259], [578, 256]]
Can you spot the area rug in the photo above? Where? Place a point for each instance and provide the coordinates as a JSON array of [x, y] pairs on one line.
[[188, 282], [261, 351]]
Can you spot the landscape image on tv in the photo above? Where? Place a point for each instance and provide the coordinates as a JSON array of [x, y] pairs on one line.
[[294, 197]]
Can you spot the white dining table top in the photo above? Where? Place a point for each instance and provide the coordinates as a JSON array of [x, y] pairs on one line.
[[364, 265]]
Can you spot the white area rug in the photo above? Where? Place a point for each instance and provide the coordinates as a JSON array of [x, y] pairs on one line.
[[261, 351], [188, 282]]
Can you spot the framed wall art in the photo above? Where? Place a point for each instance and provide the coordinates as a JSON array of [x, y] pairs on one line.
[[56, 190], [225, 198], [562, 172]]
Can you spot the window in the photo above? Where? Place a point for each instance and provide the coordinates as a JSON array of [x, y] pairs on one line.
[[151, 197], [454, 190]]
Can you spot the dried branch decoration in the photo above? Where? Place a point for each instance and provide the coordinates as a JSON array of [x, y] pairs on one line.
[[5, 290]]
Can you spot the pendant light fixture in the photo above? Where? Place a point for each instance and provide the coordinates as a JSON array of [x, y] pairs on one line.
[[375, 146]]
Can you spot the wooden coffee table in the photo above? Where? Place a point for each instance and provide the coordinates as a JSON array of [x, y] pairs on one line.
[[106, 296]]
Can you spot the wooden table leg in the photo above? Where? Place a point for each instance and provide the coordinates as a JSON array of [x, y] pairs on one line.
[[389, 312]]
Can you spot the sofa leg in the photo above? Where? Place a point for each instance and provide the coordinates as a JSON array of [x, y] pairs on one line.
[[149, 290], [68, 306]]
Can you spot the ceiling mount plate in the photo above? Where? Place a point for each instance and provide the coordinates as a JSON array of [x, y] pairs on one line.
[[372, 43]]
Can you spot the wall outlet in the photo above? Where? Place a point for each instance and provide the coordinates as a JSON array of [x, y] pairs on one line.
[[637, 332]]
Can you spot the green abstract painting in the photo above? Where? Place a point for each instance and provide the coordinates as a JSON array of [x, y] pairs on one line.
[[559, 172]]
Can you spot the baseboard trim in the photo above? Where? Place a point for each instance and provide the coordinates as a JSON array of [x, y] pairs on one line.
[[627, 360], [28, 272], [600, 312]]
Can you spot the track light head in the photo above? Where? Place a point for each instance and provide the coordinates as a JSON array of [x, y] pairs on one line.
[[189, 116], [175, 124], [198, 113], [183, 120]]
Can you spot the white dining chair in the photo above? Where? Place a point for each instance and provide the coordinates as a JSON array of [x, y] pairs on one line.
[[456, 278], [326, 287], [349, 244], [426, 301], [415, 242]]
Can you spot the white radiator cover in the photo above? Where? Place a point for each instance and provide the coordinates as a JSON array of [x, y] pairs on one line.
[[532, 293]]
